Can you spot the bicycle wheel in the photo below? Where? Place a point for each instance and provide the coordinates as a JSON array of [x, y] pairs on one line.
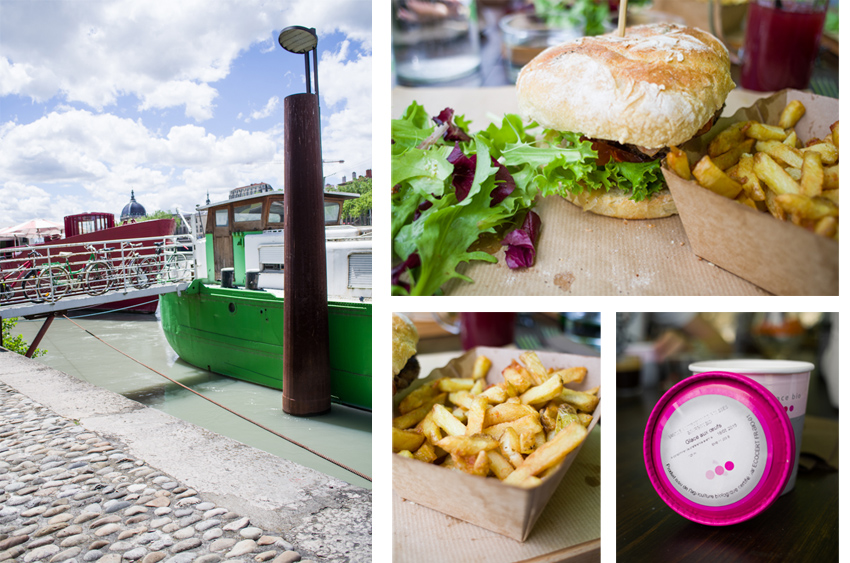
[[52, 283], [97, 279], [5, 292], [178, 267], [29, 289], [144, 273]]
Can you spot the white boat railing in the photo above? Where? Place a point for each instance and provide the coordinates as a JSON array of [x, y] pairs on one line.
[[47, 273]]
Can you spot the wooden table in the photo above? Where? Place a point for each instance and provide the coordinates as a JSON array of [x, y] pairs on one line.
[[800, 526]]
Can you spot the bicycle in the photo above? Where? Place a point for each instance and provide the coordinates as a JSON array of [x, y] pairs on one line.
[[135, 270], [172, 264], [56, 279], [20, 275]]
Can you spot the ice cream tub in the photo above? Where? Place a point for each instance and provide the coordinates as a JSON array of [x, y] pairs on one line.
[[719, 448], [788, 381]]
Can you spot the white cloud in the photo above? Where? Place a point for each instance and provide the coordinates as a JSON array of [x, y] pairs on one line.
[[92, 161], [269, 108], [346, 87]]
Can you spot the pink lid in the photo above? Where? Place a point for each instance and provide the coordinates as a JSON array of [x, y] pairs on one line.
[[718, 448]]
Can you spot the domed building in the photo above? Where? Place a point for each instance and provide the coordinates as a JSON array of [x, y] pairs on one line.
[[132, 210]]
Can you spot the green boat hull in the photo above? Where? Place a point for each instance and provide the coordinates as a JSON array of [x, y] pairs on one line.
[[239, 333]]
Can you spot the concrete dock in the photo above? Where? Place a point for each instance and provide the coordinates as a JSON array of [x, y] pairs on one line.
[[87, 475]]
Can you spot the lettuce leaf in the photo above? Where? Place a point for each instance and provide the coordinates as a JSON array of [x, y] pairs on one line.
[[439, 224]]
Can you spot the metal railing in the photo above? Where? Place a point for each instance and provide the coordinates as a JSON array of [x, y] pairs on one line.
[[47, 273]]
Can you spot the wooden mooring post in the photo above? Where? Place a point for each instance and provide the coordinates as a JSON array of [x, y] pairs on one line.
[[306, 347]]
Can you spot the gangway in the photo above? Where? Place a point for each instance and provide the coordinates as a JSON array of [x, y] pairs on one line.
[[44, 281]]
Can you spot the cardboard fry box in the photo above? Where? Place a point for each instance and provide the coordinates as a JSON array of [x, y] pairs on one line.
[[487, 502], [778, 256]]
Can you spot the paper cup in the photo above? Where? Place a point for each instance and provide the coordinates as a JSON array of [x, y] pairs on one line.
[[787, 380]]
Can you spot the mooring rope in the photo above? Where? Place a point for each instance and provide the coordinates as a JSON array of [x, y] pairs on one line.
[[243, 417]]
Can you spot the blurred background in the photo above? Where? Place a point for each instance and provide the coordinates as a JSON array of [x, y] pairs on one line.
[[472, 43], [654, 350], [569, 333]]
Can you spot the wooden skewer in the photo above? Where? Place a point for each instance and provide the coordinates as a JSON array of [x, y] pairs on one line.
[[621, 23]]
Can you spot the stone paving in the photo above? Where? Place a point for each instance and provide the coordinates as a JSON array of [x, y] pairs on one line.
[[70, 495]]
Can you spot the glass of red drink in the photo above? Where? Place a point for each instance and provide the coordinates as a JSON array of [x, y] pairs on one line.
[[486, 329], [781, 43]]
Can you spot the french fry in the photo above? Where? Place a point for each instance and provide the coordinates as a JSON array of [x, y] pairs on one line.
[[447, 421], [711, 177], [773, 206], [451, 384], [830, 177], [461, 398], [426, 453], [780, 151], [413, 417], [534, 366], [828, 152], [733, 155], [468, 445], [496, 431], [791, 114], [528, 424], [827, 226], [571, 375], [677, 161], [481, 367], [807, 207], [544, 392], [728, 138], [831, 195], [417, 398], [549, 454], [499, 466], [506, 412], [811, 175], [764, 132], [773, 175], [748, 178], [744, 199], [584, 402], [791, 140], [834, 129], [509, 447], [406, 440], [519, 377], [475, 416]]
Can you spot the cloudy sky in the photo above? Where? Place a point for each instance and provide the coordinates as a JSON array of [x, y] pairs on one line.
[[169, 98]]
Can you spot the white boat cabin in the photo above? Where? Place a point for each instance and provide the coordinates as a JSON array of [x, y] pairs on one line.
[[246, 234]]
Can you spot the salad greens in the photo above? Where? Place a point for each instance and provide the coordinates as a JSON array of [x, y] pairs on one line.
[[451, 186]]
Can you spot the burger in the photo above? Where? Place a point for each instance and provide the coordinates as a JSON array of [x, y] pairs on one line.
[[624, 101], [405, 364]]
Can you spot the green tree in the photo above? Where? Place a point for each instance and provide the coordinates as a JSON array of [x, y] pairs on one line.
[[151, 216], [17, 343], [354, 208]]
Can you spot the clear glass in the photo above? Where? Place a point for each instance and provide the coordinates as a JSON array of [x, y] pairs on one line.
[[276, 212], [331, 213], [435, 40], [221, 217], [524, 36], [248, 212]]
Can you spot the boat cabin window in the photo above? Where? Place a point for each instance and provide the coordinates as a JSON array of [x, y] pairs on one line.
[[248, 212], [332, 212], [276, 212], [221, 217]]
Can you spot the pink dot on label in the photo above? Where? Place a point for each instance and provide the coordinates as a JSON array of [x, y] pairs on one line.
[[719, 470], [791, 408], [709, 474], [729, 466]]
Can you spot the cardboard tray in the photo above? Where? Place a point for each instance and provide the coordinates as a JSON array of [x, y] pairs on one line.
[[779, 257], [487, 502]]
